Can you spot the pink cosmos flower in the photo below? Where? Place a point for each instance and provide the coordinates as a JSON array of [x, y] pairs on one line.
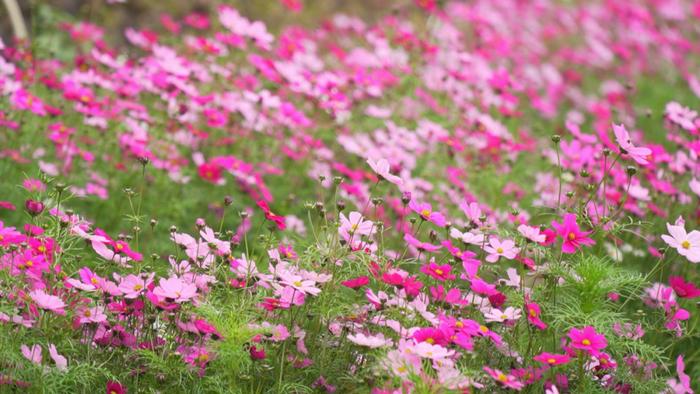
[[508, 380], [424, 246], [552, 359], [572, 235], [48, 302], [682, 385], [468, 237], [95, 314], [533, 315], [638, 154], [33, 354], [587, 339], [61, 362], [433, 352], [687, 244], [175, 289], [133, 286], [370, 341], [439, 272], [497, 315], [381, 167], [532, 233], [425, 211], [497, 248], [354, 224], [297, 282]]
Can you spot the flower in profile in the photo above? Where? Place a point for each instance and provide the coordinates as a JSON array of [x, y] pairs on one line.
[[686, 244], [507, 380], [33, 354], [47, 301], [381, 167], [426, 212], [532, 233], [572, 235], [356, 283], [371, 341], [552, 358], [269, 215], [533, 315], [638, 154], [682, 288], [34, 207], [439, 272], [497, 248], [587, 339], [61, 361], [422, 246], [682, 385]]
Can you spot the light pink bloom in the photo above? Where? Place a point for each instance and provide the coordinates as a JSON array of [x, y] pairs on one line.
[[532, 233], [354, 224], [426, 212], [371, 341], [48, 302], [497, 248], [496, 315], [682, 385], [507, 380], [638, 154], [382, 168], [32, 354], [687, 244], [175, 289], [61, 362]]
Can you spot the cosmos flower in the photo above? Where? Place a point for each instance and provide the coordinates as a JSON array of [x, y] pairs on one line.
[[573, 237], [686, 244]]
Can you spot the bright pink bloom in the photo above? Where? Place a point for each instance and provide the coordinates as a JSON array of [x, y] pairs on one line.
[[439, 272], [278, 220], [552, 359], [682, 288], [533, 315], [587, 339], [356, 283], [572, 235], [425, 211]]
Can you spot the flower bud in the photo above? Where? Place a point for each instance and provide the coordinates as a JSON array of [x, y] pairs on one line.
[[34, 207]]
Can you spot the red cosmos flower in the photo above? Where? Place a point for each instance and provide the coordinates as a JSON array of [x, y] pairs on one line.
[[356, 283], [682, 288], [210, 172], [115, 388], [278, 220]]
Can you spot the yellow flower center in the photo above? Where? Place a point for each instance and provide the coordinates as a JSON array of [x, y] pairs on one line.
[[29, 263], [551, 360], [499, 250], [685, 244], [41, 248], [533, 313], [572, 236], [425, 212], [459, 324], [138, 287], [87, 313], [484, 329], [430, 341], [504, 317], [438, 271], [93, 280], [297, 283], [586, 342], [402, 369], [502, 377], [120, 246]]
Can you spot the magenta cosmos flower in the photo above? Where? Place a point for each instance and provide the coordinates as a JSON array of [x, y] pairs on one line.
[[572, 235], [587, 339], [382, 167], [439, 272], [533, 315], [552, 358], [426, 212]]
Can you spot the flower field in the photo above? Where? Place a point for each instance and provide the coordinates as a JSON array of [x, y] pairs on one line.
[[477, 196]]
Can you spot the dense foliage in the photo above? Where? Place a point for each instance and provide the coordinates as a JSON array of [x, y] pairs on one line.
[[476, 196]]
